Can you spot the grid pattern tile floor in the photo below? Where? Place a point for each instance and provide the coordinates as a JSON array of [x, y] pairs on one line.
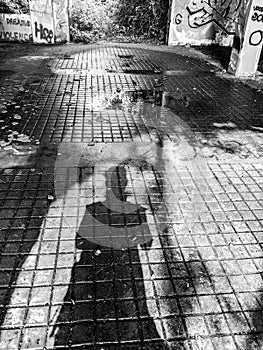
[[188, 271]]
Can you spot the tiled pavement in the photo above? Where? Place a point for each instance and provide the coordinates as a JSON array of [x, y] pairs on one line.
[[180, 267]]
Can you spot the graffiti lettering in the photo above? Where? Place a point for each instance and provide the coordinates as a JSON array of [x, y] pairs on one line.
[[257, 17], [44, 33], [60, 8], [61, 31], [178, 19], [222, 13], [256, 38], [15, 36], [17, 21], [258, 8], [15, 27]]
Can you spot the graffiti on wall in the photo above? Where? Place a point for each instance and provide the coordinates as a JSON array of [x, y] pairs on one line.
[[61, 20], [50, 21], [47, 23], [15, 27], [42, 21], [222, 13], [248, 40], [42, 33], [203, 21], [43, 29], [256, 35]]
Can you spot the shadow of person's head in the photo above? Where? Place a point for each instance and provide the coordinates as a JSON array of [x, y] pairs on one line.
[[136, 181]]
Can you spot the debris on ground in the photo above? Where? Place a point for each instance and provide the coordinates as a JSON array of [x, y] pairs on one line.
[[235, 143], [97, 252]]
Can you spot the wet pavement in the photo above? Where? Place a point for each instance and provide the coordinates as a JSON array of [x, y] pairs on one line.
[[131, 195]]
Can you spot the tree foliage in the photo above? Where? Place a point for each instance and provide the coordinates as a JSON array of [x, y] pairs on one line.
[[92, 20], [143, 19], [14, 6], [136, 20]]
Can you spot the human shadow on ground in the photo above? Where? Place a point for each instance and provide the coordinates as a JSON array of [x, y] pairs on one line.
[[106, 301]]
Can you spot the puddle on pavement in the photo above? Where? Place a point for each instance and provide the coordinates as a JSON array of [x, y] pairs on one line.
[[158, 97], [154, 97], [151, 109], [134, 71], [15, 146], [170, 139], [224, 139]]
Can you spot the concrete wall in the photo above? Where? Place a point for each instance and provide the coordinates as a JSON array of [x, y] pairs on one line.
[[202, 22], [15, 27], [50, 21], [47, 23], [61, 20], [42, 21], [248, 40]]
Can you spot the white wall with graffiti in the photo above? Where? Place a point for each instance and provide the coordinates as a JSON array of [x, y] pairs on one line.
[[47, 23], [50, 21], [15, 27], [61, 20], [248, 41], [42, 21], [203, 21]]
